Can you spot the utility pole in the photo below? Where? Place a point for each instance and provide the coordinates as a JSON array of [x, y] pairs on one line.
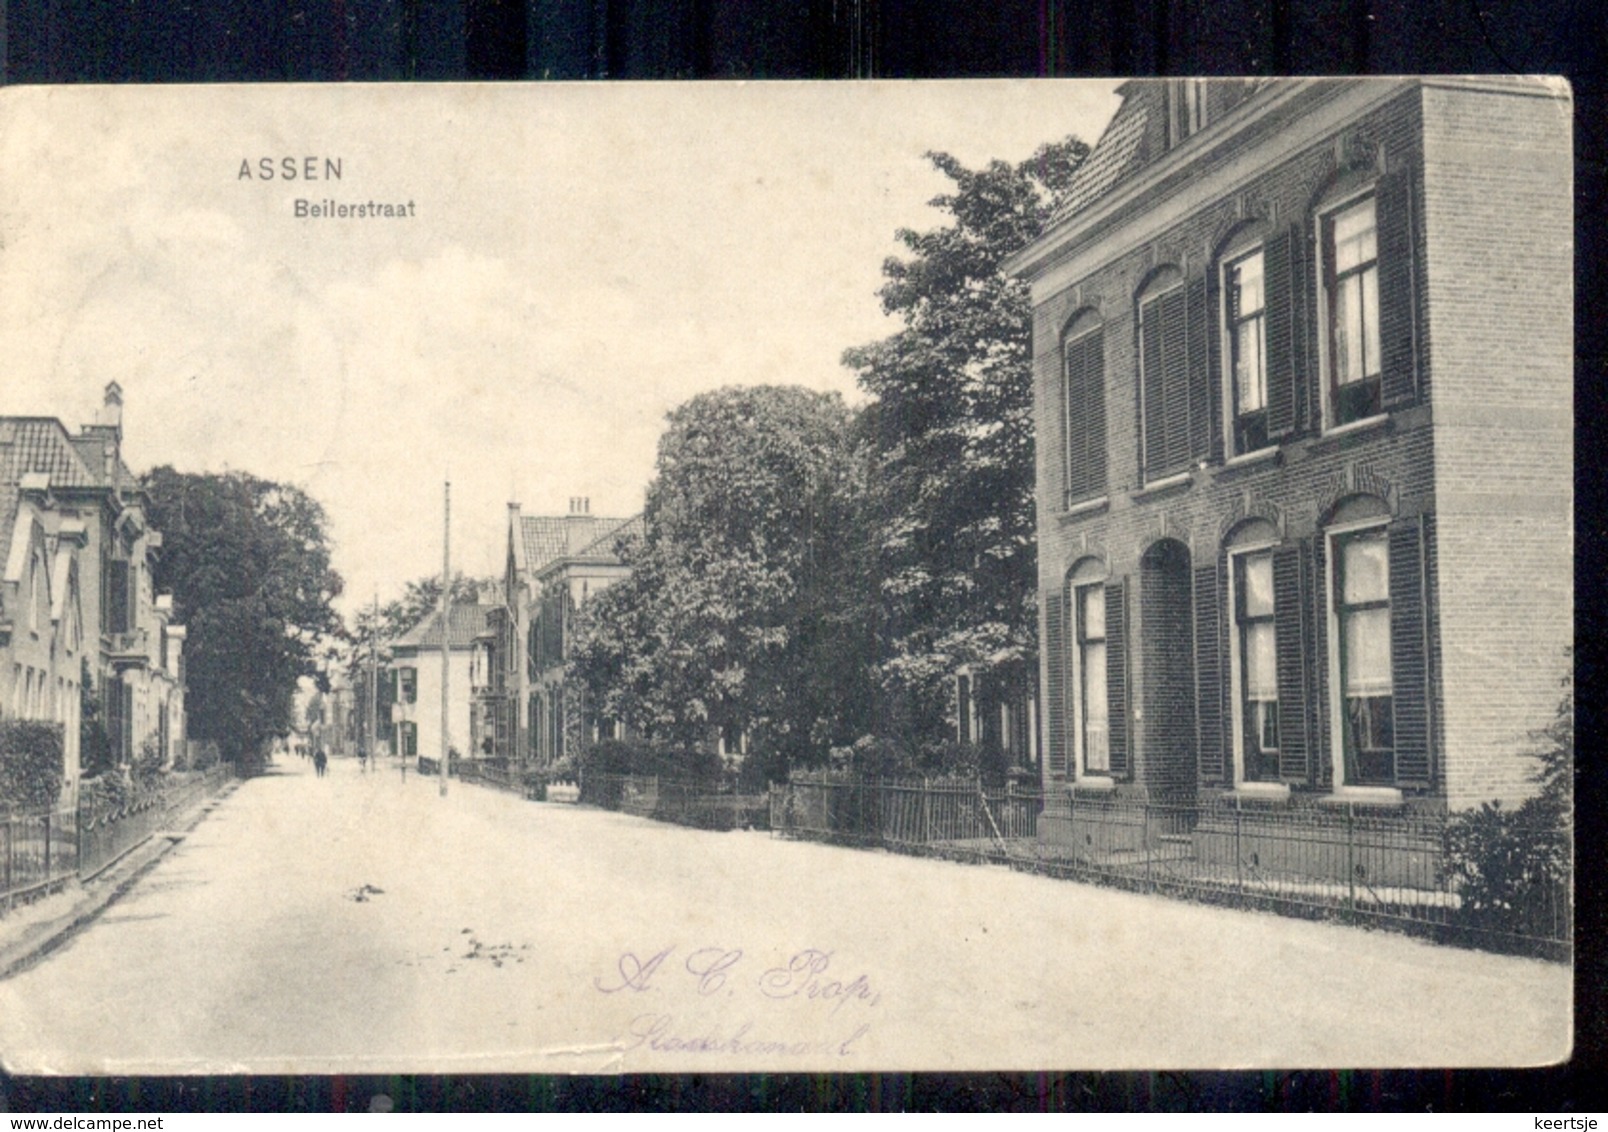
[[446, 613], [374, 686]]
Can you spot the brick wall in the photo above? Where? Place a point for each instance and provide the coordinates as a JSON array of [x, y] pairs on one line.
[[1490, 299], [1311, 474], [1497, 209]]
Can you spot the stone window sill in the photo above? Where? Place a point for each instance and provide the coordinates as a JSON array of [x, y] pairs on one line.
[[1383, 797], [1166, 483], [1094, 785], [1261, 791], [1251, 459], [1086, 507]]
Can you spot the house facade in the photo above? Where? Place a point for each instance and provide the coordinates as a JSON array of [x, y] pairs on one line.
[[551, 565], [77, 601], [1303, 396], [416, 675]]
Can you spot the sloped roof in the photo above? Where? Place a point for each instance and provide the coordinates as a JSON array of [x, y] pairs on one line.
[[603, 545], [467, 620], [40, 444], [92, 450], [1119, 151], [544, 539]]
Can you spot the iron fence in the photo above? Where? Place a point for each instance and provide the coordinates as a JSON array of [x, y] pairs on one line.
[[38, 851], [1347, 861], [702, 805]]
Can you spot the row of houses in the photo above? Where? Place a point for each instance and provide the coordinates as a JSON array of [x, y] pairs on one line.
[[80, 619], [1302, 383], [509, 694]]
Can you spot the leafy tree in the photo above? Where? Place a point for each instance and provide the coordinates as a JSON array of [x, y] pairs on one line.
[[744, 611], [248, 564], [950, 429]]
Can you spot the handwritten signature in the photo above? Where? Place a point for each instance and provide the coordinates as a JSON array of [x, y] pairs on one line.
[[658, 1032], [807, 975]]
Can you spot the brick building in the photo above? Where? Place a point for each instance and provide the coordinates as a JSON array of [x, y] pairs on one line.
[[77, 600], [552, 564], [1303, 400]]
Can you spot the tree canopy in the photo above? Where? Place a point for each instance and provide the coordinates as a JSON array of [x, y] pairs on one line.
[[742, 613], [950, 432], [248, 563]]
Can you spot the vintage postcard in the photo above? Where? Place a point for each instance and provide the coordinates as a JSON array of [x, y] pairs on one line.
[[939, 576]]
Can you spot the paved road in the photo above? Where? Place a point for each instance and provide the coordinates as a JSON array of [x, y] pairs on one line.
[[359, 923]]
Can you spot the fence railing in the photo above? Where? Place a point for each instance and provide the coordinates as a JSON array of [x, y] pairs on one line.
[[703, 805], [38, 851], [1346, 861]]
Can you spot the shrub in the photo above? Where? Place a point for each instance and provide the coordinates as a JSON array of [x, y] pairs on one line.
[[639, 757], [148, 769], [1512, 868], [32, 764]]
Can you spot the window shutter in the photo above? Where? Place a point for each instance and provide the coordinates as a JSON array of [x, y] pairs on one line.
[[1083, 417], [1211, 348], [1409, 652], [1154, 401], [1279, 303], [1116, 613], [1210, 681], [1175, 379], [1303, 376], [1200, 373], [1055, 676], [1289, 604], [1398, 360], [1320, 744]]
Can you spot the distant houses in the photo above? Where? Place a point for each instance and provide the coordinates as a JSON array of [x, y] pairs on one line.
[[80, 620]]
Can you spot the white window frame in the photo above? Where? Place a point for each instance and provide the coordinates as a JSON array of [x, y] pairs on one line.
[[1328, 387], [1238, 252], [1337, 693], [1080, 767], [1236, 667]]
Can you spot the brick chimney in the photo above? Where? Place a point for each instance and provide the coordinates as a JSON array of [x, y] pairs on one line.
[[579, 526]]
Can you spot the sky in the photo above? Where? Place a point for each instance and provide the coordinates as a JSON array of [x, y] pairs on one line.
[[579, 260]]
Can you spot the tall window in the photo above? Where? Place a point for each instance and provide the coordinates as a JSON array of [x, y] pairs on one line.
[[1247, 350], [1255, 641], [408, 685], [1083, 410], [1362, 618], [1351, 283], [1093, 722], [407, 739]]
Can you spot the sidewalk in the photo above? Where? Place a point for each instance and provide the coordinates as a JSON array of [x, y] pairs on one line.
[[31, 931]]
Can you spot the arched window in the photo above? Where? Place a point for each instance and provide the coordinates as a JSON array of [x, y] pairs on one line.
[[1242, 266], [1083, 408], [1254, 651], [1091, 719]]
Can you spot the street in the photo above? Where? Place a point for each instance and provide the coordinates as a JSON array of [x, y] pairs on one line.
[[361, 923]]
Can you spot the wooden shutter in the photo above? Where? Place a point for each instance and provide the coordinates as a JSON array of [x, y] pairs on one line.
[[1200, 373], [1303, 375], [1211, 347], [1153, 400], [1320, 746], [1409, 651], [1398, 356], [1116, 614], [1293, 651], [118, 618], [1175, 379], [1278, 302], [1211, 680], [1055, 682], [1083, 417]]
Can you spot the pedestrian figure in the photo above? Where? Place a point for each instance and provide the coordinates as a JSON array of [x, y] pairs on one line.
[[320, 761]]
